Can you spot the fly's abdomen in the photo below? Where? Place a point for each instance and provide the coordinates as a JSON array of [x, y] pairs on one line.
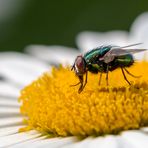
[[125, 60]]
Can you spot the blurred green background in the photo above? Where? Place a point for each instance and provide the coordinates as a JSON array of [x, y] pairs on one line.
[[51, 22]]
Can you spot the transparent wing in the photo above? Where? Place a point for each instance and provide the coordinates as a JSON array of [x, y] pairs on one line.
[[118, 52], [128, 45]]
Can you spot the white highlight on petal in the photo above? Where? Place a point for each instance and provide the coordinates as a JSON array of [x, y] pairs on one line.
[[53, 54], [20, 68], [136, 138], [88, 40], [17, 138]]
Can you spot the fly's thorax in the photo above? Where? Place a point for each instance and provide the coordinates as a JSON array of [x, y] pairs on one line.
[[93, 56]]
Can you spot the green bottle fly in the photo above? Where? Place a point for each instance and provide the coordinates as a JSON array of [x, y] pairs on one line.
[[102, 60]]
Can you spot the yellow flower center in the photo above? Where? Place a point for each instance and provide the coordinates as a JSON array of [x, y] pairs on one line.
[[52, 106]]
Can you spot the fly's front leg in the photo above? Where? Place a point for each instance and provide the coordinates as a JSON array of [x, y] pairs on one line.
[[81, 82], [85, 80], [75, 84], [82, 86], [107, 74]]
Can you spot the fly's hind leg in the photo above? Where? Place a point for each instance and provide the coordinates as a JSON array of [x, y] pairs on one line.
[[131, 74], [125, 76], [100, 78]]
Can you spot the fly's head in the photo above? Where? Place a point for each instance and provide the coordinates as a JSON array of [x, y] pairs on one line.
[[79, 66]]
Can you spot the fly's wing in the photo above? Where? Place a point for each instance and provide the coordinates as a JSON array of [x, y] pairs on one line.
[[117, 51], [109, 56], [120, 52]]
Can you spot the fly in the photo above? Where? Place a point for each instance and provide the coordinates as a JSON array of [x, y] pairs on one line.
[[102, 60]]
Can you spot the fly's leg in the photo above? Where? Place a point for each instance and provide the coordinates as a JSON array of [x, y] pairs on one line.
[[125, 76], [85, 80], [75, 84], [73, 67], [131, 74], [107, 75], [100, 78], [81, 86]]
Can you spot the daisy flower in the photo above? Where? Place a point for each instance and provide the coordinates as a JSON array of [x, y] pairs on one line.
[[51, 114]]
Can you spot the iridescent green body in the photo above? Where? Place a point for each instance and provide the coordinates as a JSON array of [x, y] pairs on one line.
[[95, 65]]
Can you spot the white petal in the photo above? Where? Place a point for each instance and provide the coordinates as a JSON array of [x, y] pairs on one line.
[[17, 138], [53, 54], [9, 102], [139, 29], [139, 34], [20, 68], [100, 142], [34, 142], [4, 111], [89, 40], [104, 142], [136, 138], [123, 143], [46, 142], [5, 122], [145, 129], [8, 90], [80, 144], [9, 130]]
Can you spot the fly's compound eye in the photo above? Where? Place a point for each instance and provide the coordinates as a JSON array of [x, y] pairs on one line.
[[80, 65]]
